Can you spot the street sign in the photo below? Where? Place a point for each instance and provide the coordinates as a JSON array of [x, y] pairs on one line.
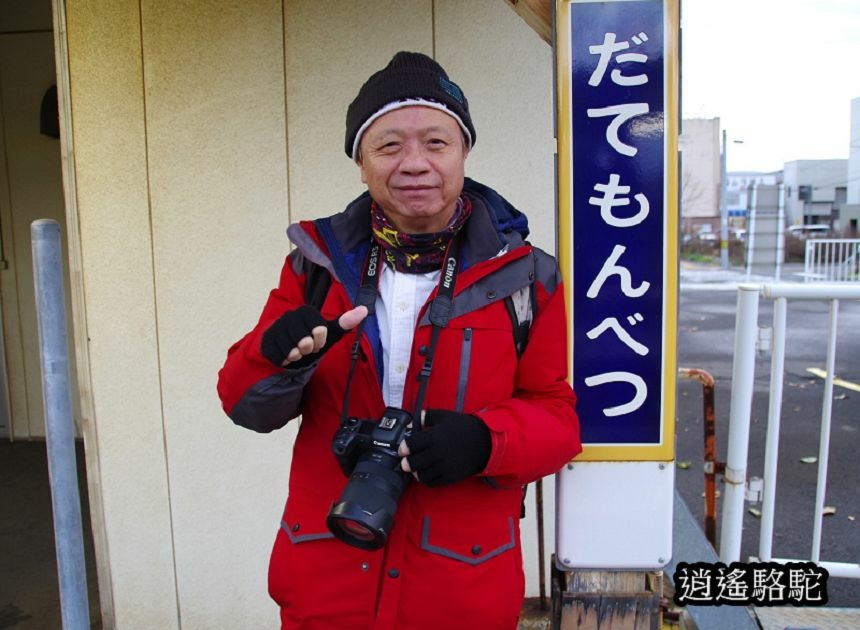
[[617, 88], [617, 124]]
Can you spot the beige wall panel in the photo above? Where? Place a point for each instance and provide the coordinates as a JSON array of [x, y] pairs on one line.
[[505, 69], [113, 214], [187, 177], [216, 132], [329, 55]]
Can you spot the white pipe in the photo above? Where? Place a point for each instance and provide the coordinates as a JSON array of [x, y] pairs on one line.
[[771, 454], [819, 291], [743, 373], [835, 569], [824, 445]]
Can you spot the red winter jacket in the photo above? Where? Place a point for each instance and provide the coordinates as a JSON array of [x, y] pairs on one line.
[[453, 558]]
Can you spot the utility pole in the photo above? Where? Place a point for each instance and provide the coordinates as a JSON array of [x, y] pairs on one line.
[[724, 210]]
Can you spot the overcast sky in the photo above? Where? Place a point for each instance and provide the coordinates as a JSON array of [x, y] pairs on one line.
[[780, 75]]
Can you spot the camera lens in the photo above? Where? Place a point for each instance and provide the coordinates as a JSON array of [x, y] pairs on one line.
[[364, 515], [355, 533], [356, 530]]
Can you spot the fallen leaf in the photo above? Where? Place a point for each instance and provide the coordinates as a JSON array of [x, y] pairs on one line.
[[684, 465], [841, 397], [851, 518], [810, 459], [755, 512], [828, 510]]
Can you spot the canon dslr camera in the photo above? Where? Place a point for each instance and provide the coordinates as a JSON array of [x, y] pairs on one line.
[[367, 454]]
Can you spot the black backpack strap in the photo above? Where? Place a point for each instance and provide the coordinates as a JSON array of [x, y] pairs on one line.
[[519, 324], [522, 307], [317, 283]]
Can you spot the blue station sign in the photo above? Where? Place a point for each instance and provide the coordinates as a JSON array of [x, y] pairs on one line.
[[618, 122]]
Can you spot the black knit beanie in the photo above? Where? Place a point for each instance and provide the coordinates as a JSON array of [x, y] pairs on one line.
[[409, 79]]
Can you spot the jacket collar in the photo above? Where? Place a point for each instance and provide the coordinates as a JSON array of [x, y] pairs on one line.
[[494, 227]]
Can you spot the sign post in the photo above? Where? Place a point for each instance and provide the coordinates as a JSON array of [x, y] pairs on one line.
[[617, 89]]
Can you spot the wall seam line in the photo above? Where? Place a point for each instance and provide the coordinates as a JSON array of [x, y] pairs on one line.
[[433, 26], [165, 448], [288, 191]]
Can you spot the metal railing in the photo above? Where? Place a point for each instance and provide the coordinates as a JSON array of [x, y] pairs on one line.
[[832, 260], [743, 372], [711, 466]]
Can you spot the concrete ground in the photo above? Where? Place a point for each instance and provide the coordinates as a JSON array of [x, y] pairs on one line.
[[29, 590]]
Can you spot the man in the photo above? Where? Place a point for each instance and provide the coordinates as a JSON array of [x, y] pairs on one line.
[[461, 325]]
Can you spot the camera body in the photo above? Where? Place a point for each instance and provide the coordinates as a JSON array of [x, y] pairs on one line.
[[358, 436], [366, 451]]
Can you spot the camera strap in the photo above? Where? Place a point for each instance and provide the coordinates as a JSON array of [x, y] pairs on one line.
[[440, 312], [367, 292]]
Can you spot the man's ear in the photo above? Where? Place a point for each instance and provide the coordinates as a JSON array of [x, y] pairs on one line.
[[360, 164]]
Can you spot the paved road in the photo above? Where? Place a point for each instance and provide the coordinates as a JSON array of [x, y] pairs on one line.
[[706, 338]]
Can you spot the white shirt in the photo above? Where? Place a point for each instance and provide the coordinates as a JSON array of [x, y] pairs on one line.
[[401, 296]]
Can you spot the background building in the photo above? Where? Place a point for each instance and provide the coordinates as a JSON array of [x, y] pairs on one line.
[[814, 191], [699, 143]]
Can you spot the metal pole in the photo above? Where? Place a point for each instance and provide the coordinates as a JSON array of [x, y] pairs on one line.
[[774, 419], [824, 444], [724, 210], [751, 227], [712, 467], [780, 231], [541, 549], [59, 428], [743, 375]]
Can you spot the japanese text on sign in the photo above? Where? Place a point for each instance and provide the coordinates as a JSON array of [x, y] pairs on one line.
[[617, 111]]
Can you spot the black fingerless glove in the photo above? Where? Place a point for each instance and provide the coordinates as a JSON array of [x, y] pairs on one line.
[[293, 326], [451, 447]]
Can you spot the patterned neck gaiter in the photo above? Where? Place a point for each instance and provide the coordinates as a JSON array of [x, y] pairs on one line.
[[416, 253]]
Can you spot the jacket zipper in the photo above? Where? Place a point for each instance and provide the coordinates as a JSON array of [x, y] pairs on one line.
[[465, 361]]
